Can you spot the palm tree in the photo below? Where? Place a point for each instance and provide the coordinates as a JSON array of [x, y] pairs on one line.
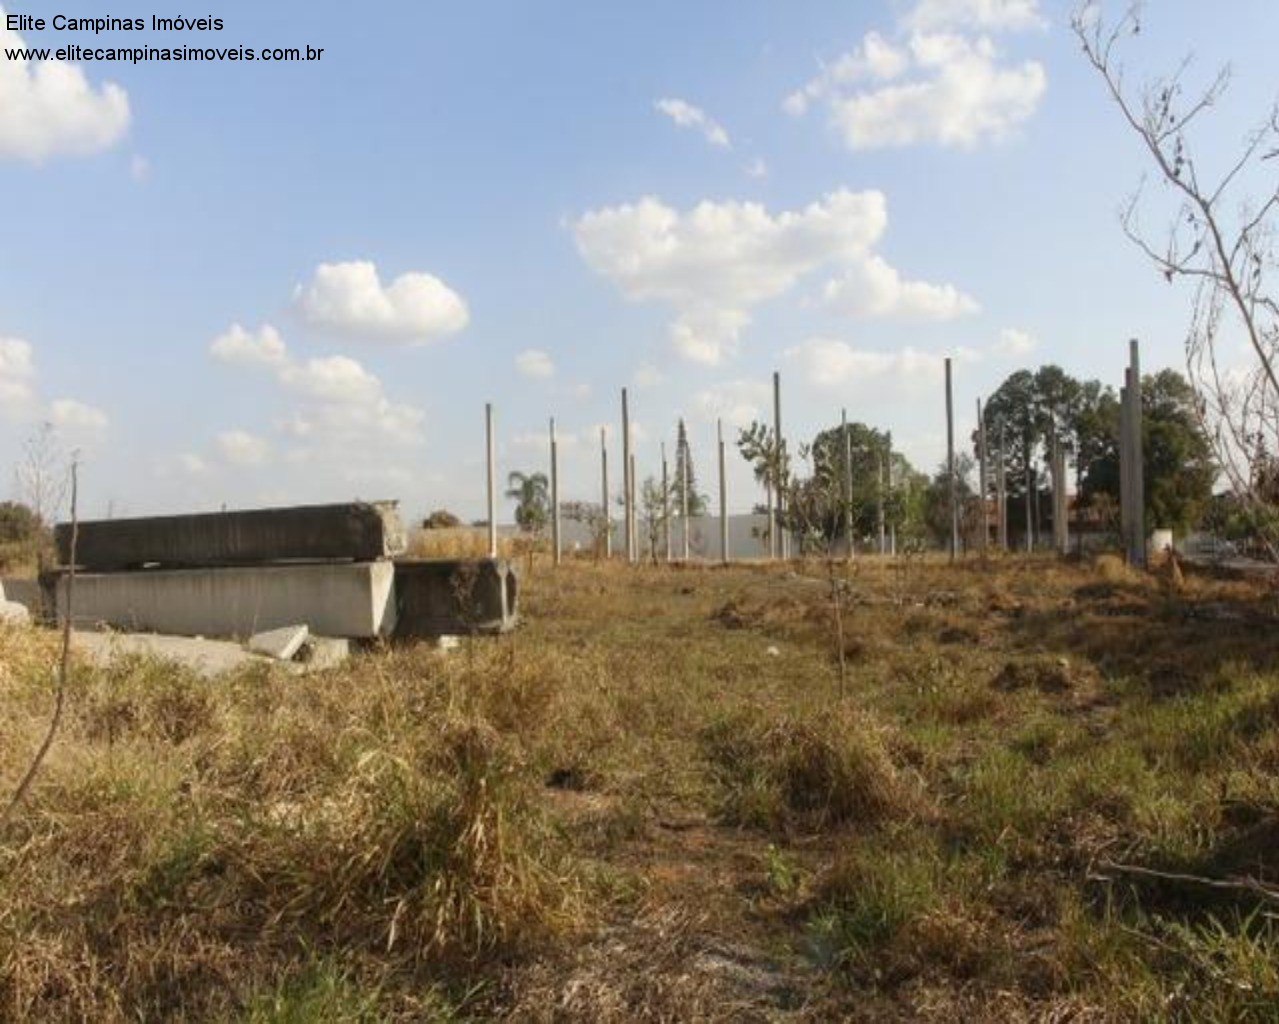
[[531, 494]]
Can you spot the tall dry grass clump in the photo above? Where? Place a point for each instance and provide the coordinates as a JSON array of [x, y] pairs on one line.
[[191, 845], [815, 771]]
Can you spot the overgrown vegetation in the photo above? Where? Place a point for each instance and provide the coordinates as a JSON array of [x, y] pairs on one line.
[[1049, 793]]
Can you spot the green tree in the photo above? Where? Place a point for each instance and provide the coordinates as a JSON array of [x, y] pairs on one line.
[[696, 500], [936, 503], [1179, 466], [654, 507], [1013, 413], [870, 449], [440, 519], [531, 494], [18, 523]]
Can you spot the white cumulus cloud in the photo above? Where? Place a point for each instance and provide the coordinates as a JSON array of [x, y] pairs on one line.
[[982, 15], [17, 373], [48, 108], [1013, 343], [686, 115], [872, 288], [349, 299], [943, 81], [714, 263], [71, 415], [340, 401], [535, 363], [737, 402], [830, 363], [263, 347], [242, 449]]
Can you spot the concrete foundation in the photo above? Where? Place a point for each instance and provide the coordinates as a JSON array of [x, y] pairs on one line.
[[447, 597], [357, 532], [332, 600]]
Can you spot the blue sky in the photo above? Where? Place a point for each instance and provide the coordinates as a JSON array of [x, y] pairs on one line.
[[258, 283]]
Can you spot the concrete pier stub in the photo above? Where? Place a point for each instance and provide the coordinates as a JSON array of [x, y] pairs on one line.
[[450, 597], [356, 532]]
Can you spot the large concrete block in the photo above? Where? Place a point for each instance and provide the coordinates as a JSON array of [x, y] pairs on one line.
[[443, 597], [25, 592], [332, 600], [358, 532]]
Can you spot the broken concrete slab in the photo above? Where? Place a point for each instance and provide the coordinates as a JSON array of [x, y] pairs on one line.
[[356, 532], [281, 644], [14, 614], [450, 597], [207, 658], [334, 600]]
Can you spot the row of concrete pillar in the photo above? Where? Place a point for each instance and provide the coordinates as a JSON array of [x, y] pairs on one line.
[[1130, 460]]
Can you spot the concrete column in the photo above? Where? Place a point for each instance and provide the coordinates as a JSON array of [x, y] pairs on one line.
[[1001, 489], [950, 467], [491, 474], [892, 527], [848, 483], [1125, 471], [627, 492], [555, 498], [981, 478], [666, 505], [723, 495], [1065, 504], [608, 515], [1138, 479], [635, 541], [879, 503], [783, 542], [772, 520], [683, 499]]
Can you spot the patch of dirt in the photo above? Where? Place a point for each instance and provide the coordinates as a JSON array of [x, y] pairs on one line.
[[697, 946]]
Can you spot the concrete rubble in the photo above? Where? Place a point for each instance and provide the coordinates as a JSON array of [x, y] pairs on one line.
[[241, 574], [207, 658], [281, 644]]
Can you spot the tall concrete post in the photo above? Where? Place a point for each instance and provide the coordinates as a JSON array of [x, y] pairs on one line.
[[848, 482], [783, 542], [1125, 469], [628, 523], [952, 495], [490, 462], [879, 503], [1002, 490], [772, 520], [604, 496], [635, 539], [666, 505], [723, 495], [1138, 556], [555, 497], [892, 524], [1065, 503], [981, 478], [683, 497]]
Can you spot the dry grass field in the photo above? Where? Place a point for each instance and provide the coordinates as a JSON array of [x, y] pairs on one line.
[[1048, 792]]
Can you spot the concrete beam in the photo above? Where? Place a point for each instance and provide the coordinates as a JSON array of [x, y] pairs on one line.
[[448, 597], [358, 532], [332, 600]]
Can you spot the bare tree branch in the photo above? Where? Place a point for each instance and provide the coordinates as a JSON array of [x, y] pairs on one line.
[[60, 695]]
